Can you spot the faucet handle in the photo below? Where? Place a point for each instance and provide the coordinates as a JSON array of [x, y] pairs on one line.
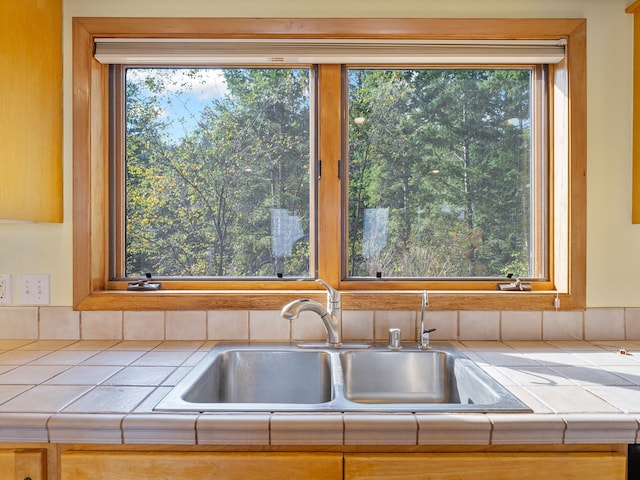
[[333, 296], [394, 339]]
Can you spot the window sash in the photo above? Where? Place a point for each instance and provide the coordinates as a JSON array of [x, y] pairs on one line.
[[118, 194], [541, 250], [539, 264]]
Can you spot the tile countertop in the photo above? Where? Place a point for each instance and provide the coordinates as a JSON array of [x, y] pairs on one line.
[[104, 392]]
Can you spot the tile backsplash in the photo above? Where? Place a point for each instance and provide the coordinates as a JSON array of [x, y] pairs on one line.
[[61, 323]]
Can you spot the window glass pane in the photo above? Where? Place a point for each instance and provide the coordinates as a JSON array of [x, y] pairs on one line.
[[440, 173], [217, 172]]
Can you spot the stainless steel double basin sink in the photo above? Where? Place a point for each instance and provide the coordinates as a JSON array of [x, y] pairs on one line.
[[285, 377]]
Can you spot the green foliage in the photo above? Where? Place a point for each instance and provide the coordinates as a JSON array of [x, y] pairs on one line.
[[202, 207], [443, 154], [440, 150]]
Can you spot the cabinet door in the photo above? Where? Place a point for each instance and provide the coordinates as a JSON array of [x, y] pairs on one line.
[[31, 110], [200, 465], [486, 466], [21, 464]]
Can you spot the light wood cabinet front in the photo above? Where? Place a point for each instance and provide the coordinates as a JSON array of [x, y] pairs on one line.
[[31, 110], [76, 465], [486, 466], [634, 9], [189, 465], [22, 464]]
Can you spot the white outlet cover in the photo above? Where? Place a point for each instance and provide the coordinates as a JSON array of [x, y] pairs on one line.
[[33, 289], [5, 289]]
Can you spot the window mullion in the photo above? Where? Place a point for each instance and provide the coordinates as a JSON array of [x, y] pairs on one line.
[[329, 153]]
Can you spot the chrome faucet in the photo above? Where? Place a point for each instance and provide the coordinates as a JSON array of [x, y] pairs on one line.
[[331, 315], [423, 335]]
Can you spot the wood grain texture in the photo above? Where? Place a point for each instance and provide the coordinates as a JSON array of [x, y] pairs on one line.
[[635, 191], [31, 110], [20, 464], [200, 466], [501, 466]]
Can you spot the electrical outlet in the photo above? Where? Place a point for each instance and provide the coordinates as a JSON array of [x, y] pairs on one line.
[[5, 289], [33, 289]]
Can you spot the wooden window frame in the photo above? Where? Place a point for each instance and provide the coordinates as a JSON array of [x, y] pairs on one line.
[[543, 267], [93, 290]]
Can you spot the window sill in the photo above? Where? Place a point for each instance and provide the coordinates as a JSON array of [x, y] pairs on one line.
[[351, 300]]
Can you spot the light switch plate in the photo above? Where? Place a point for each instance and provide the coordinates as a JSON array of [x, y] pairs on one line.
[[5, 289], [33, 289]]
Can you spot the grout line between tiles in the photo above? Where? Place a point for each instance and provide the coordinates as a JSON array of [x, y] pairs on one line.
[[492, 424], [164, 322], [195, 427], [564, 430], [46, 426], [122, 428]]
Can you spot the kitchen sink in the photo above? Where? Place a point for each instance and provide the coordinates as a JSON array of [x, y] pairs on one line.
[[418, 377], [285, 377], [264, 376], [398, 377]]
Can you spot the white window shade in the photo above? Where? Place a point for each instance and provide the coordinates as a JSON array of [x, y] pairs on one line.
[[156, 51]]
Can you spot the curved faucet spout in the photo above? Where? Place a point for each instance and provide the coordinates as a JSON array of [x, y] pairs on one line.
[[330, 320], [291, 310]]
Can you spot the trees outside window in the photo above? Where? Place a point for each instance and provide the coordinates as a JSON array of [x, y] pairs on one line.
[[217, 187], [447, 154], [439, 172]]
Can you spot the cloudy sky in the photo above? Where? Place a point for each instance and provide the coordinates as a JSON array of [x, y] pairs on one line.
[[185, 92]]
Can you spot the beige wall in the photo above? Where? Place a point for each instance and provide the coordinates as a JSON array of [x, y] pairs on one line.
[[613, 244]]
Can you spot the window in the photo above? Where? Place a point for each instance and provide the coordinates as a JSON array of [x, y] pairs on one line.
[[215, 173], [456, 172], [444, 173]]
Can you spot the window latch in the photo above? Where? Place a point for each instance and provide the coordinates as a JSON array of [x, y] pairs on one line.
[[516, 286], [144, 284]]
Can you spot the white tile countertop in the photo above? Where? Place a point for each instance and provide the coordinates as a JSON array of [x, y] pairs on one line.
[[104, 392]]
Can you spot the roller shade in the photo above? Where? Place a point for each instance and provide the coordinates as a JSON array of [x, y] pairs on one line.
[[155, 51]]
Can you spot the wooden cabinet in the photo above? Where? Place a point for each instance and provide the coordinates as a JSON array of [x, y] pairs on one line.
[[200, 465], [634, 9], [31, 110], [486, 466], [23, 464], [190, 465]]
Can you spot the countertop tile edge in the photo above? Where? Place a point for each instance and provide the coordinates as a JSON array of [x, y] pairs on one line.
[[380, 429], [162, 428], [233, 429], [527, 429], [453, 429], [24, 427], [96, 428], [307, 429], [600, 428]]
